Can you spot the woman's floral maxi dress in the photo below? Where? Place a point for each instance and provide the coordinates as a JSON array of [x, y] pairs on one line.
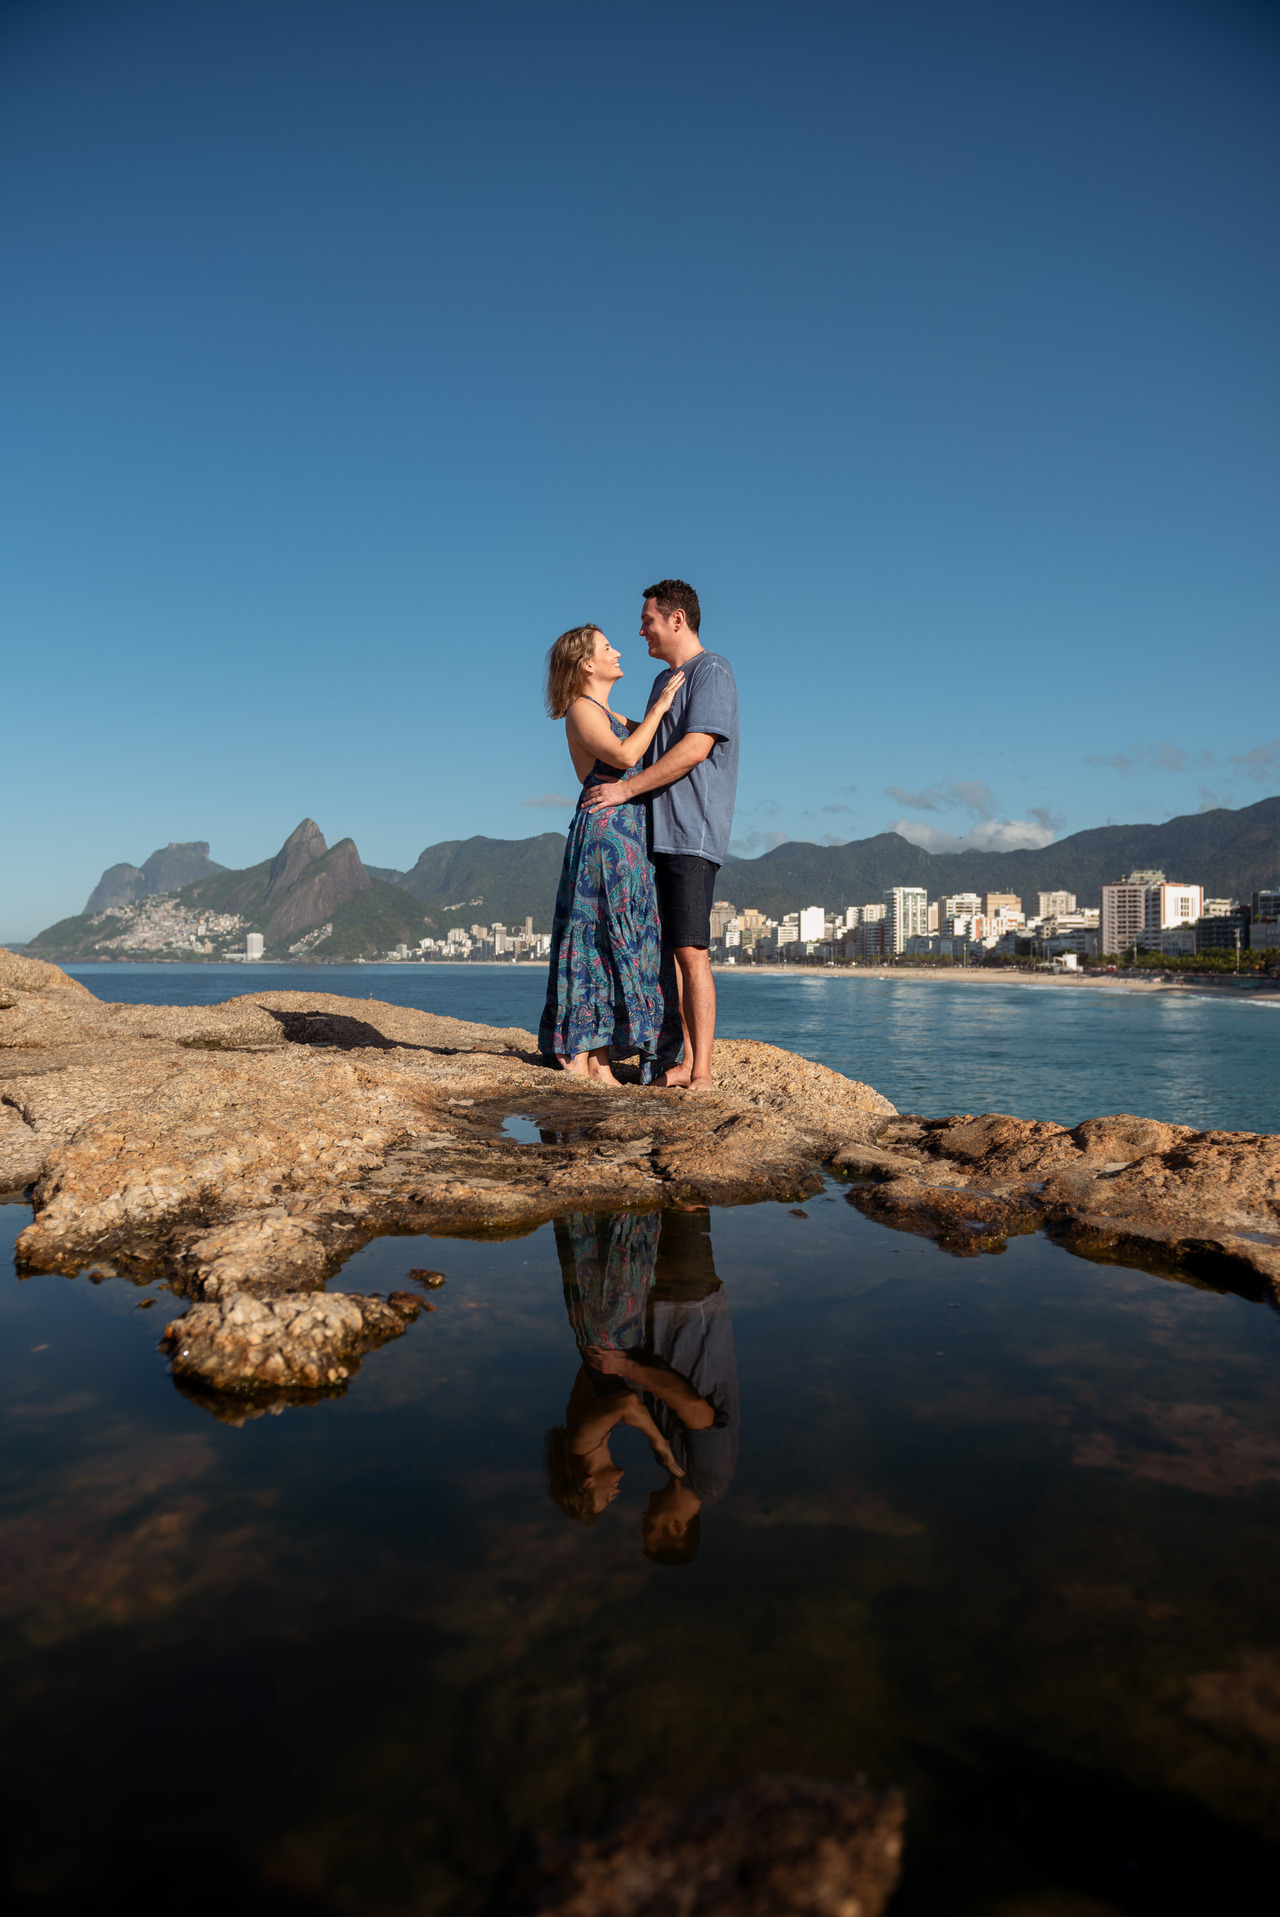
[[606, 984], [607, 1261]]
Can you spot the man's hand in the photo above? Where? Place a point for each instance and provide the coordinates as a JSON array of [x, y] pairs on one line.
[[615, 1364], [613, 794], [666, 1457], [683, 756]]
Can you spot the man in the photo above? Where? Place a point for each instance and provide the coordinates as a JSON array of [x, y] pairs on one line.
[[692, 772]]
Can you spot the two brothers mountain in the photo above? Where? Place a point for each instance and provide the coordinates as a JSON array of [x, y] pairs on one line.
[[309, 885]]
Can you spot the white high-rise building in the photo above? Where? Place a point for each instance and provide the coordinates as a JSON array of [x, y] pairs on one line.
[[253, 945], [906, 916], [813, 921], [959, 905], [1171, 905]]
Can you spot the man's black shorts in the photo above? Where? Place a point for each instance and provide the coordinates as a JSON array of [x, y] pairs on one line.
[[686, 885]]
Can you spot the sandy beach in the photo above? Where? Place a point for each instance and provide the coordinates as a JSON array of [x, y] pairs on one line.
[[977, 975]]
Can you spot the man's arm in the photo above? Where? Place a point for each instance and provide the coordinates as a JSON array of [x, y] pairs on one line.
[[694, 1412], [683, 756]]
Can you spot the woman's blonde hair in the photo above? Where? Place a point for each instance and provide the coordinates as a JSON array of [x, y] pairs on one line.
[[565, 663]]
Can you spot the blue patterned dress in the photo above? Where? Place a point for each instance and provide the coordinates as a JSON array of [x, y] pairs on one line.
[[607, 1261], [606, 982]]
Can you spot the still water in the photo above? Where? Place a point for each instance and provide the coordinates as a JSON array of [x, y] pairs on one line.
[[1062, 1052], [1004, 1530]]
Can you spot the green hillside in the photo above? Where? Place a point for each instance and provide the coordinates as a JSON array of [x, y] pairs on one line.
[[466, 880], [373, 923], [241, 892]]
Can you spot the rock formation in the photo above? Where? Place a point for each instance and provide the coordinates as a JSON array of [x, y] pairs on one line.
[[1119, 1188], [244, 1150], [304, 845], [316, 893], [172, 866], [784, 1844]]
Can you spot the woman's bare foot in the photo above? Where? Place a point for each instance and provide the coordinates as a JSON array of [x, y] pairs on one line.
[[598, 1067], [577, 1064]]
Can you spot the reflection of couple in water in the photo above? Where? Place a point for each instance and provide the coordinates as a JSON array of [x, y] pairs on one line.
[[652, 1324]]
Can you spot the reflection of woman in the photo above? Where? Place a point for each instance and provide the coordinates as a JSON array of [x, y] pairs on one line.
[[607, 1261], [603, 992]]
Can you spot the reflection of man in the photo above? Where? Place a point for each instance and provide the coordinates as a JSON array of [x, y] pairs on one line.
[[688, 1374]]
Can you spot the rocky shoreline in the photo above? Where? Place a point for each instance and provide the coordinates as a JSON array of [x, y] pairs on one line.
[[243, 1151]]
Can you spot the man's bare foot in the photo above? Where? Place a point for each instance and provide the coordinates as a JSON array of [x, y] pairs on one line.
[[675, 1078], [702, 1084]]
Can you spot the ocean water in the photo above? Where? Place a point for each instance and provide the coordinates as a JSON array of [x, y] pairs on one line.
[[935, 1045], [1002, 1530]]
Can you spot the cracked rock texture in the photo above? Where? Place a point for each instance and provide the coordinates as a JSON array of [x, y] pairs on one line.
[[309, 1339], [1123, 1188]]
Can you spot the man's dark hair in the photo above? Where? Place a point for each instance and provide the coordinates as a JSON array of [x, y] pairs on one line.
[[683, 1550], [675, 595]]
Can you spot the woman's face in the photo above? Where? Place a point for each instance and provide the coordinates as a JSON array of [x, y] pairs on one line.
[[604, 661], [604, 1483]]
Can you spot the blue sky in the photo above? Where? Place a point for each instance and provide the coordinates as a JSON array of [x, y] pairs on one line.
[[351, 352]]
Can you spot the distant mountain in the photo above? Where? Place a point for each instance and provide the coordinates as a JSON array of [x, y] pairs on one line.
[[310, 900], [1229, 853], [172, 866], [309, 886]]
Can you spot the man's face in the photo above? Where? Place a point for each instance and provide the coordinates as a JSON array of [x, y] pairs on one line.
[[661, 633]]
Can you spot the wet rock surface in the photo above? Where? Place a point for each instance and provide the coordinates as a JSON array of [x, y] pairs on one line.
[[782, 1845], [1120, 1188], [245, 1150], [309, 1339]]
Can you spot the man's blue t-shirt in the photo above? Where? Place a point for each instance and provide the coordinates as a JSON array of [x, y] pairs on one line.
[[695, 814]]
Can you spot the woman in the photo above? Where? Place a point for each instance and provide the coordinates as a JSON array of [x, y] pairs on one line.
[[604, 995]]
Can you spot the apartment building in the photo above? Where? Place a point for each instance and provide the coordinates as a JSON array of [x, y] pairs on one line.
[[906, 916], [1144, 906]]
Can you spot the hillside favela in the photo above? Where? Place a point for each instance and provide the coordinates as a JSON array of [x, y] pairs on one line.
[[1216, 910]]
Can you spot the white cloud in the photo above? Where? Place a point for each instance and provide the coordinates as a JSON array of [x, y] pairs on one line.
[[987, 835], [1262, 764], [969, 795], [752, 843], [551, 802], [1165, 757]]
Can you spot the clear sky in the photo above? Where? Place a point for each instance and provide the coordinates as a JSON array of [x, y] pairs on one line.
[[355, 348]]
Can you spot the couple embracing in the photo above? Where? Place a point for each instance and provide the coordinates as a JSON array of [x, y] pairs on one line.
[[630, 965]]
